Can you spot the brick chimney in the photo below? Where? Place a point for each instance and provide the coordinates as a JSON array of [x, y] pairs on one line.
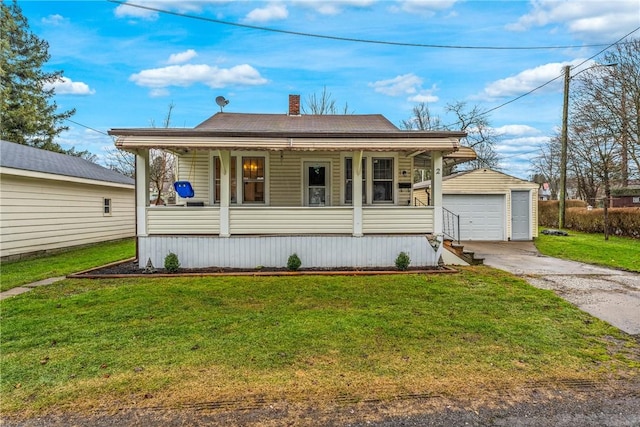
[[294, 105]]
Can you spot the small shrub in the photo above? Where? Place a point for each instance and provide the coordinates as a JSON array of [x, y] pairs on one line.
[[294, 263], [403, 261], [171, 263]]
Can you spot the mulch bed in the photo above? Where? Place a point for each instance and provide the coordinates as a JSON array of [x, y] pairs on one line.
[[130, 268]]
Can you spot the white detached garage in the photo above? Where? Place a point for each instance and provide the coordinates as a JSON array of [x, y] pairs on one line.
[[491, 205]]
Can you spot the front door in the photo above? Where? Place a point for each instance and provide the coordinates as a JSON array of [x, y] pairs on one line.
[[316, 184]]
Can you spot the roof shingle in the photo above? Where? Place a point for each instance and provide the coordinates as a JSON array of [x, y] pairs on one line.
[[18, 156]]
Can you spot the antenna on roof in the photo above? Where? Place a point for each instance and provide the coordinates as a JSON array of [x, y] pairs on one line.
[[221, 102]]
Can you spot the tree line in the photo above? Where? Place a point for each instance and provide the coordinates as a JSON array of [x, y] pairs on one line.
[[603, 132]]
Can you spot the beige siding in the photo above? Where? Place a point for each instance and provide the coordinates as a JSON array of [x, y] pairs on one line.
[[269, 220], [285, 178], [397, 220], [44, 214], [195, 167], [404, 195], [182, 220], [486, 181]]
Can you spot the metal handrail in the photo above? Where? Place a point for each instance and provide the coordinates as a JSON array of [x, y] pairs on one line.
[[451, 225], [418, 202]]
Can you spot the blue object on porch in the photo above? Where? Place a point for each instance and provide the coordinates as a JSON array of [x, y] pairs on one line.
[[184, 189]]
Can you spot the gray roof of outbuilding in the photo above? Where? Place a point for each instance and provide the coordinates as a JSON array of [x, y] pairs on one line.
[[18, 156]]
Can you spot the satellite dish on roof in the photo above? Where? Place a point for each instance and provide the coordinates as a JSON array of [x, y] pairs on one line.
[[221, 102]]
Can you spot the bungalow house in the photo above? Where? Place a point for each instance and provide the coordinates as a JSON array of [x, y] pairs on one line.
[[334, 189], [50, 201]]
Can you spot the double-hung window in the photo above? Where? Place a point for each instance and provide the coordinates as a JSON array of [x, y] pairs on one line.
[[253, 179], [232, 177], [106, 207], [348, 173], [382, 180]]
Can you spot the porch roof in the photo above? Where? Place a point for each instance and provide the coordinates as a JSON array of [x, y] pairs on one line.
[[234, 131]]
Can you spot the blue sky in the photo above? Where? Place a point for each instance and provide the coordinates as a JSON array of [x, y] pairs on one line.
[[123, 66]]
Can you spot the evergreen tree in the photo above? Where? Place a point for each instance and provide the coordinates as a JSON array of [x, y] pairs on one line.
[[28, 115]]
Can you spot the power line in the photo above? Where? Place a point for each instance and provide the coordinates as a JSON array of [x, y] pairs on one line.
[[347, 39], [553, 79], [88, 127]]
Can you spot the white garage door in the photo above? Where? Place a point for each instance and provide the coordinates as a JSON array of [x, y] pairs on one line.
[[481, 215]]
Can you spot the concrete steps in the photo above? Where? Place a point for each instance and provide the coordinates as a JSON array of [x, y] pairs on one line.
[[458, 250]]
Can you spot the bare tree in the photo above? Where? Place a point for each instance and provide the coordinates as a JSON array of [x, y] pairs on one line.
[[547, 164], [480, 135], [422, 119], [323, 104], [161, 164]]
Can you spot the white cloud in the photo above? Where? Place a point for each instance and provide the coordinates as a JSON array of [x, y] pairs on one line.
[[528, 80], [334, 7], [516, 130], [588, 19], [129, 11], [187, 75], [272, 12], [406, 84], [65, 86], [53, 19], [428, 7], [179, 58]]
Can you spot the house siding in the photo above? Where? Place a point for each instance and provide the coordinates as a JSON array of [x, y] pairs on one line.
[[195, 167], [273, 251], [38, 214]]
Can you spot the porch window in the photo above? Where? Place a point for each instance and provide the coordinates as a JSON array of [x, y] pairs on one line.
[[232, 177], [382, 180], [348, 173], [253, 174]]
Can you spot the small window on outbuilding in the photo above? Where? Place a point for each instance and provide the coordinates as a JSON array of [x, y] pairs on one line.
[[106, 207]]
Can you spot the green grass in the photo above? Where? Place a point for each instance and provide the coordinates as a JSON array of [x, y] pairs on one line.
[[80, 344], [617, 252], [16, 273]]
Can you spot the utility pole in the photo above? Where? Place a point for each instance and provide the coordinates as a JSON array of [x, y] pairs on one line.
[[563, 153]]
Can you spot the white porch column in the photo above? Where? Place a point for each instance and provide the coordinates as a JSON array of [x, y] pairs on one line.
[[436, 191], [356, 192], [142, 191], [225, 188]]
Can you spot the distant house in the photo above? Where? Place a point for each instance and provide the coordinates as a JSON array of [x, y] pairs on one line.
[[490, 205], [50, 201], [628, 196], [256, 188]]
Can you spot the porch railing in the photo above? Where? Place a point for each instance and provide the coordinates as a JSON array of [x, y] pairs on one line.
[[451, 225]]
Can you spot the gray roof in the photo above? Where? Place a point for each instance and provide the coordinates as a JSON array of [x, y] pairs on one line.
[[18, 156], [304, 123]]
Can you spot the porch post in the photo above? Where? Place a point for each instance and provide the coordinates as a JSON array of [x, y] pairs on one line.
[[356, 187], [436, 191], [142, 191], [225, 195]]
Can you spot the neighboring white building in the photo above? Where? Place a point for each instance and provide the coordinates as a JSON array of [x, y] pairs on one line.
[[491, 205], [334, 189], [50, 201]]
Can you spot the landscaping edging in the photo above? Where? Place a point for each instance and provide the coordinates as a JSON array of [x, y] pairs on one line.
[[94, 273]]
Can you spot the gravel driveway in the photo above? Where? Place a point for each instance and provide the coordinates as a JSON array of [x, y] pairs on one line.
[[610, 295]]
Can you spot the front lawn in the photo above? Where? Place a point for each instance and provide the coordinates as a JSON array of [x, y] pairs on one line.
[[81, 344], [16, 273], [617, 252]]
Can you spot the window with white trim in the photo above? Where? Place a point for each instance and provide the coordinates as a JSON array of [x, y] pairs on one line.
[[348, 174], [382, 180], [106, 207], [253, 179], [232, 177]]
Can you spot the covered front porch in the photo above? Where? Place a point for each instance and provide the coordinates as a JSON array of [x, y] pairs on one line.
[[335, 190]]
